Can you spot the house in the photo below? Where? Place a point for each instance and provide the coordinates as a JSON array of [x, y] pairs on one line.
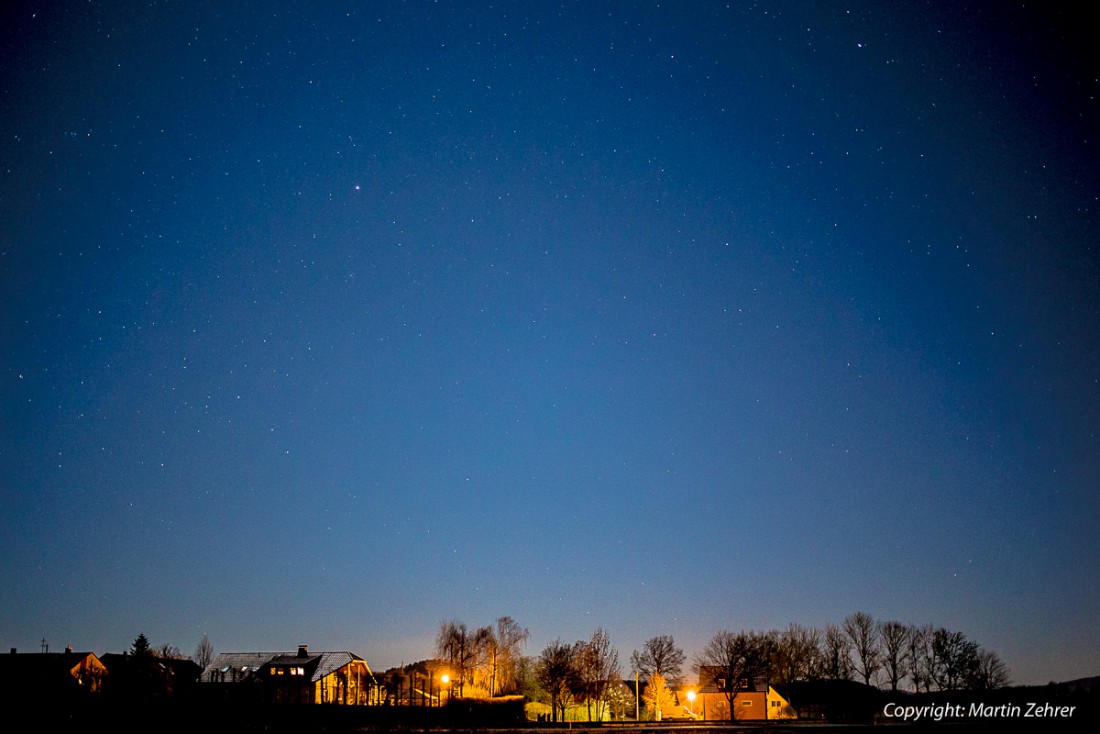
[[754, 699], [148, 677], [56, 677], [293, 677]]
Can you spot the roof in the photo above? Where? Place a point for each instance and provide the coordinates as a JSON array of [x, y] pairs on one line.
[[43, 663], [40, 675], [710, 676], [243, 663], [248, 663]]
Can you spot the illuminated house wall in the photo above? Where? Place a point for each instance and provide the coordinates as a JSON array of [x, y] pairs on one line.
[[303, 677]]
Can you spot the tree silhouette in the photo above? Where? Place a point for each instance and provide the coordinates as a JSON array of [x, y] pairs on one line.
[[140, 648], [596, 663], [836, 649], [863, 632], [204, 653], [895, 643], [659, 655], [557, 675]]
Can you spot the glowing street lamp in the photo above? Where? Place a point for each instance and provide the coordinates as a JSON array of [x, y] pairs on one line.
[[444, 679], [691, 703]]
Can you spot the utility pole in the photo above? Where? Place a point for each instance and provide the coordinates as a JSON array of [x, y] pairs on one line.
[[637, 699]]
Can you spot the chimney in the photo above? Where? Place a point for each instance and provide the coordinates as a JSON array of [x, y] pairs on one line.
[[13, 651], [303, 651], [68, 648]]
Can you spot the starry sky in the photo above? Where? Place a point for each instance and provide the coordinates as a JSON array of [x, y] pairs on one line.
[[323, 323]]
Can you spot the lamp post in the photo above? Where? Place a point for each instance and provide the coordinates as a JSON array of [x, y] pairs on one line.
[[691, 703], [637, 699], [444, 679]]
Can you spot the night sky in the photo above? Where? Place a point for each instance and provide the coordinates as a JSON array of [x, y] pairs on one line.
[[325, 322]]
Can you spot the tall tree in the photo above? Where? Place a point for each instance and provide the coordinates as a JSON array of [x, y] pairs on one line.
[[657, 695], [920, 658], [863, 631], [504, 648], [204, 653], [597, 665], [461, 649], [956, 659], [728, 659], [836, 650], [141, 648], [555, 673], [989, 672], [797, 652], [659, 656], [895, 644]]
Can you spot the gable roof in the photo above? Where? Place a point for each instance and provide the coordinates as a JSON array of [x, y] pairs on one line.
[[44, 664], [42, 675], [236, 667]]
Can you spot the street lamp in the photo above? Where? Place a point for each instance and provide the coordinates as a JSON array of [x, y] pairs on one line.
[[691, 703], [444, 679]]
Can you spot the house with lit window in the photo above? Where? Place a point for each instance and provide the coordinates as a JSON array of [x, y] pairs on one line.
[[57, 677], [302, 677], [753, 698]]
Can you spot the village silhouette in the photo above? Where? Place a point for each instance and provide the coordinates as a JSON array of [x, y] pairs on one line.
[[860, 673]]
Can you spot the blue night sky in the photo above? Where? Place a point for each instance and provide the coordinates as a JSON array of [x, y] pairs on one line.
[[325, 322]]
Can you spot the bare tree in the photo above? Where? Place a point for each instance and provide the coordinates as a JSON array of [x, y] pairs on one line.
[[921, 658], [836, 650], [597, 665], [895, 644], [556, 674], [461, 649], [168, 651], [989, 672], [204, 653], [731, 659], [956, 659], [863, 632], [504, 650], [659, 656], [797, 652]]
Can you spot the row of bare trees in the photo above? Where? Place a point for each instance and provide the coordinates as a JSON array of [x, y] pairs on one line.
[[874, 652], [485, 658], [584, 673], [587, 673]]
